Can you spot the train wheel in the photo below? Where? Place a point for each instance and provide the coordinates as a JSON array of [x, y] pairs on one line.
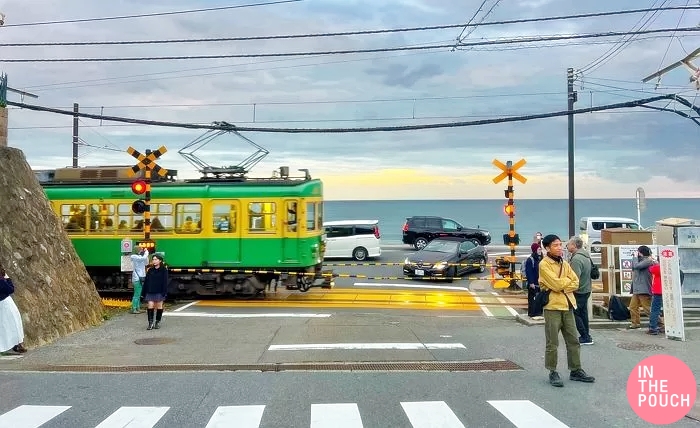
[[304, 282]]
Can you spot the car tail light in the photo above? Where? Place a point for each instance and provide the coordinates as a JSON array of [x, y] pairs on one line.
[[376, 232], [405, 227]]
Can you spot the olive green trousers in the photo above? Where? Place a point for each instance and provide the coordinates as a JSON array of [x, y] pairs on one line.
[[564, 321]]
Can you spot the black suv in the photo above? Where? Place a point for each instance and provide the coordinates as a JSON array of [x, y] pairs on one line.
[[419, 230]]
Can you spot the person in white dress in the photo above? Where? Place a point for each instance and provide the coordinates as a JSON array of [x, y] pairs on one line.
[[11, 330]]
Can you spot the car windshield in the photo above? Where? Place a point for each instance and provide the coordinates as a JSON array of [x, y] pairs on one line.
[[442, 246]]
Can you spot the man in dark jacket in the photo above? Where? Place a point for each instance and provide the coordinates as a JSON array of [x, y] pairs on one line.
[[580, 262], [641, 285]]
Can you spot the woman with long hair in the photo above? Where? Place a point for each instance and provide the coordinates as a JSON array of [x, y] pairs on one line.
[[155, 290]]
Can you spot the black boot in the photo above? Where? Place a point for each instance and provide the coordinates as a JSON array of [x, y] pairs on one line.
[[581, 376], [159, 315], [150, 319], [555, 380]]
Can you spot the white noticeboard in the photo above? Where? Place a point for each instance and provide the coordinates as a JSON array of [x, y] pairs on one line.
[[672, 293], [627, 255], [126, 264]]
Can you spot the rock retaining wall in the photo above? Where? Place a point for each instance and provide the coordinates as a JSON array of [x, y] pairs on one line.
[[53, 290]]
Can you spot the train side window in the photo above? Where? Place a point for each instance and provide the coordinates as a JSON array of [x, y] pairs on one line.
[[224, 218], [311, 216], [161, 217], [188, 218], [102, 218], [262, 217], [127, 220], [292, 216], [74, 218]]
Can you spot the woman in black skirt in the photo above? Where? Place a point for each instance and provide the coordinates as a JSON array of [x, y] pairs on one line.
[[155, 290]]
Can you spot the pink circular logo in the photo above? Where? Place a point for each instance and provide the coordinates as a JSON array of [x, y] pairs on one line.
[[661, 389]]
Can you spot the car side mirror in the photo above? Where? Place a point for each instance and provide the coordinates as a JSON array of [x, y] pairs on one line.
[[459, 227]]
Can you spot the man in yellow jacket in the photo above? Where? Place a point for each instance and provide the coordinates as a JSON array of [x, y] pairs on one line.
[[557, 277]]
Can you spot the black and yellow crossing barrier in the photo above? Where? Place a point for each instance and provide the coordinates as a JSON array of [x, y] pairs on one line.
[[403, 264], [326, 274]]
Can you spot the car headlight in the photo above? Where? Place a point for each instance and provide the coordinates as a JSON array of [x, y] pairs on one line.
[[440, 265], [406, 261]]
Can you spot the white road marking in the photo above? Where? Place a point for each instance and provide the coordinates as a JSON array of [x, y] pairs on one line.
[[484, 309], [134, 417], [431, 414], [262, 315], [335, 415], [347, 346], [429, 287], [182, 308], [501, 300], [236, 416], [30, 416], [526, 414]]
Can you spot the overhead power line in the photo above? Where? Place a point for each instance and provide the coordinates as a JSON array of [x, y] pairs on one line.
[[148, 15], [230, 127], [503, 41], [342, 33]]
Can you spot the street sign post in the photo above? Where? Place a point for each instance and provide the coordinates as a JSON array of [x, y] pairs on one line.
[[147, 164], [512, 239]]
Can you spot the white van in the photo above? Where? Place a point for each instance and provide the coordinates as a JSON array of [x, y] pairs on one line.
[[590, 227], [357, 239]]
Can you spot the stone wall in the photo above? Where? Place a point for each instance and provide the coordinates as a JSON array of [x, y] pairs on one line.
[[52, 288]]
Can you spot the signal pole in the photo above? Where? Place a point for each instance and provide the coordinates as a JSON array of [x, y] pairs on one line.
[[147, 163], [512, 239], [75, 135], [572, 97]]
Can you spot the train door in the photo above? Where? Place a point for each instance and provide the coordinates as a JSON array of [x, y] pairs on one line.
[[290, 231], [225, 242]]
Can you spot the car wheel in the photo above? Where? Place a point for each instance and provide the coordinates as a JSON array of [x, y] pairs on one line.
[[359, 254], [420, 243], [482, 265]]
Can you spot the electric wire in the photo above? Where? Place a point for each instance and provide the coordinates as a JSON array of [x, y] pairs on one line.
[[502, 41], [661, 63], [229, 127], [148, 15], [343, 33], [606, 57]]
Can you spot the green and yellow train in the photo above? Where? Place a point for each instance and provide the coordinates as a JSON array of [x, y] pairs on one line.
[[234, 236]]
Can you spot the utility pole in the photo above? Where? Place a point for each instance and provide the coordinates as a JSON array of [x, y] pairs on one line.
[[572, 97], [75, 135]]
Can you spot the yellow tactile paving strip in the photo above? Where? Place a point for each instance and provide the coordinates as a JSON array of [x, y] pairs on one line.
[[357, 298]]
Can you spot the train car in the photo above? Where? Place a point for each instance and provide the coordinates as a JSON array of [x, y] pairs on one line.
[[218, 236]]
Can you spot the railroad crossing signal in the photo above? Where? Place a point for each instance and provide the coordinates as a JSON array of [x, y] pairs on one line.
[[509, 170], [147, 164]]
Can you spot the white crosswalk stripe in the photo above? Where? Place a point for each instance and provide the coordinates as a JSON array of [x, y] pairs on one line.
[[337, 415], [245, 416], [429, 414], [525, 413], [134, 417], [30, 416], [419, 414]]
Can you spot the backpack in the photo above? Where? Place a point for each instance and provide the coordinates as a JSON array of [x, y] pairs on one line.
[[595, 272], [523, 267], [617, 311]]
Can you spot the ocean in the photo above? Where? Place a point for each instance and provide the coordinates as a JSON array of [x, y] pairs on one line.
[[531, 215]]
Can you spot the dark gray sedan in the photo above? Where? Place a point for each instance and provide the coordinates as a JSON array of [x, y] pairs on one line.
[[446, 258]]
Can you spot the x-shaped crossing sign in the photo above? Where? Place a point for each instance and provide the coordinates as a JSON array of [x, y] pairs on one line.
[[147, 162]]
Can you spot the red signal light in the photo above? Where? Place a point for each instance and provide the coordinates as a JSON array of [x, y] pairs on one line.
[[138, 187]]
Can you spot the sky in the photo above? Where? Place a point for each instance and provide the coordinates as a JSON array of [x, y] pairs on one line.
[[616, 151]]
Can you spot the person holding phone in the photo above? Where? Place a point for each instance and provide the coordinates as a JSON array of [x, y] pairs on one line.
[[11, 329]]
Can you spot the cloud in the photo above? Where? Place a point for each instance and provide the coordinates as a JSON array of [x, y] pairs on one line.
[[615, 150]]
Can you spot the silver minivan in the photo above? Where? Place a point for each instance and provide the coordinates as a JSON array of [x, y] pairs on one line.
[[590, 227]]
